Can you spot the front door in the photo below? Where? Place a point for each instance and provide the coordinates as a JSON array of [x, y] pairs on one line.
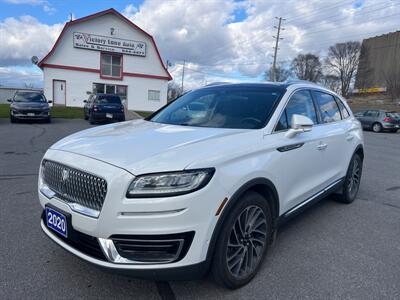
[[59, 87]]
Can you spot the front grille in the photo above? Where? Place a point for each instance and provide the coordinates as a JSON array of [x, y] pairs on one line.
[[36, 112], [74, 186]]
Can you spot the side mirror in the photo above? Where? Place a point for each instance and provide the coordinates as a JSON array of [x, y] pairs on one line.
[[9, 100], [300, 124], [84, 101], [50, 101]]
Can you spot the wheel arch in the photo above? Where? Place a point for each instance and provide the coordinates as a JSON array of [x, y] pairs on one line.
[[264, 187]]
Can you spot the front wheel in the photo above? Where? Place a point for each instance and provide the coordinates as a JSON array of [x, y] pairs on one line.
[[352, 180], [243, 241]]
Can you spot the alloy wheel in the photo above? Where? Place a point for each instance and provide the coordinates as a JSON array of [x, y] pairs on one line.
[[247, 242], [354, 178]]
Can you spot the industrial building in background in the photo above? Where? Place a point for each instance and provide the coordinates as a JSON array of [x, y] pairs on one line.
[[378, 76]]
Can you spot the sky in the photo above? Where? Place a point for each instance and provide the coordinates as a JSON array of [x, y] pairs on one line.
[[220, 40]]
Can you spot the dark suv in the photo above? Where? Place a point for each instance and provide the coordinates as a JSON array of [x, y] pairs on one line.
[[378, 120], [104, 107], [29, 106]]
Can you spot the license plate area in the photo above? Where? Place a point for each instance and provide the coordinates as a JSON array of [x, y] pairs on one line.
[[110, 116], [57, 220], [30, 114]]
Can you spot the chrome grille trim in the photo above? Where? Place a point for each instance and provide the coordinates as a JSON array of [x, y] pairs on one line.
[[74, 186]]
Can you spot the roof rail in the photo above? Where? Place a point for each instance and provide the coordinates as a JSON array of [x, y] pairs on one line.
[[294, 81], [216, 83]]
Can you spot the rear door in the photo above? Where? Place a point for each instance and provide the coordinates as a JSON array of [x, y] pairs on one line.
[[335, 147]]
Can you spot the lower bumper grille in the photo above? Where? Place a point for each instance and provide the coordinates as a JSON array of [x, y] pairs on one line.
[[153, 248], [82, 242]]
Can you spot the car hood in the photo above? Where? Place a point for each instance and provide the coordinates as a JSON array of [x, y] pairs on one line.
[[29, 105], [143, 147]]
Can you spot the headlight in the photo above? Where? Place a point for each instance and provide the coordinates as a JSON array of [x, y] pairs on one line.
[[169, 184]]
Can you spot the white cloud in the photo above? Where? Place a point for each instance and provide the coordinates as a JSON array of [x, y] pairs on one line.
[[27, 76], [47, 7], [218, 44], [23, 37]]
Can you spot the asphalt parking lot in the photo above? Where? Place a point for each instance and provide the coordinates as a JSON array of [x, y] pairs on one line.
[[332, 251]]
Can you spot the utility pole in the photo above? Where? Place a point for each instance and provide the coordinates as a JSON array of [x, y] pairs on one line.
[[183, 75], [277, 37]]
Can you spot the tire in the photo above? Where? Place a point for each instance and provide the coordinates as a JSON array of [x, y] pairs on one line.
[[393, 130], [376, 127], [48, 120], [234, 268], [92, 120], [13, 120], [352, 181], [85, 116]]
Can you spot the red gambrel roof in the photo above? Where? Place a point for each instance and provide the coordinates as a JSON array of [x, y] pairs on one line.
[[42, 64]]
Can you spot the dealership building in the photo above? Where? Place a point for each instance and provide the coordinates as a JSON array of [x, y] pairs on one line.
[[105, 53]]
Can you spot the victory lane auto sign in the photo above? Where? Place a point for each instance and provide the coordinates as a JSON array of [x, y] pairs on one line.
[[110, 44]]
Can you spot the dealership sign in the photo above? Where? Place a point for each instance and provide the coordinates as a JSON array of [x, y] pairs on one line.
[[110, 44]]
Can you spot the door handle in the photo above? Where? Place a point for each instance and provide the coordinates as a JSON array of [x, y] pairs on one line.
[[322, 146]]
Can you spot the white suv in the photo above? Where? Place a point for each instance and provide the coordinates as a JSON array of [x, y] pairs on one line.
[[203, 183]]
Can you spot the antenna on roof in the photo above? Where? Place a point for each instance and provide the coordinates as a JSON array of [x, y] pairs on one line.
[[70, 17]]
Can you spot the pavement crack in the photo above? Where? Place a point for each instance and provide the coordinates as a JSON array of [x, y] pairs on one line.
[[41, 133]]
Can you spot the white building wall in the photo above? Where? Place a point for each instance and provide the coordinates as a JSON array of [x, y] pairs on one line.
[[78, 83]]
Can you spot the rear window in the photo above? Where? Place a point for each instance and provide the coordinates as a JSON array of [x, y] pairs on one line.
[[108, 99], [222, 107], [392, 114]]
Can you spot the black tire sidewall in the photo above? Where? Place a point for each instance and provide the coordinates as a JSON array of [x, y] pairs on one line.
[[219, 266], [347, 198]]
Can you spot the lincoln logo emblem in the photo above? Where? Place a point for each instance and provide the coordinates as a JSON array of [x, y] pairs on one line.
[[65, 175]]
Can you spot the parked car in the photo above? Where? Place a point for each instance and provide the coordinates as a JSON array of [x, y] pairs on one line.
[[104, 107], [202, 184], [378, 120], [29, 106]]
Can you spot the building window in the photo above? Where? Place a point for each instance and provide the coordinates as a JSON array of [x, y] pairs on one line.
[[120, 90], [111, 65], [154, 95]]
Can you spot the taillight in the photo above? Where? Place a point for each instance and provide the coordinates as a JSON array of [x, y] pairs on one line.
[[95, 108], [388, 119], [122, 108]]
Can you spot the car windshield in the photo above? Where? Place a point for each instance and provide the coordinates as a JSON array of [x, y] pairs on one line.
[[29, 97], [222, 107], [108, 99], [393, 114]]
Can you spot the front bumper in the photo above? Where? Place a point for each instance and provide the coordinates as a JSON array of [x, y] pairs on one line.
[[31, 116], [187, 272], [194, 212]]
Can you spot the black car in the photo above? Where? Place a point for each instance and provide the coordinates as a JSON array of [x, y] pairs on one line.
[[104, 107], [29, 106]]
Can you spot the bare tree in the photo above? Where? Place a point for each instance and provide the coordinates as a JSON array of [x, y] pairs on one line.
[[342, 60], [307, 67], [282, 73], [174, 91], [330, 81]]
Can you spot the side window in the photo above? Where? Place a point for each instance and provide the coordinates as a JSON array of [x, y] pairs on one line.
[[328, 107], [282, 123], [300, 103], [343, 109]]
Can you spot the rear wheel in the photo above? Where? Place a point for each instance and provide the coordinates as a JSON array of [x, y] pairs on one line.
[[376, 127], [352, 180], [12, 119], [243, 241]]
